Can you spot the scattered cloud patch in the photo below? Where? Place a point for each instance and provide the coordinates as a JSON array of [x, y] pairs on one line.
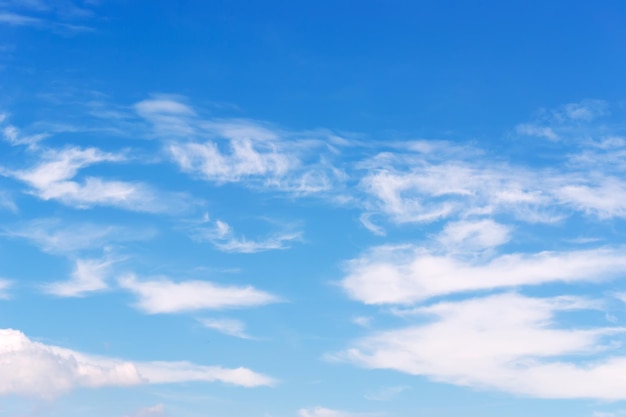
[[4, 286], [166, 296], [505, 342], [327, 412], [89, 275], [55, 236], [154, 411], [230, 327], [386, 393], [53, 179], [408, 274], [34, 369], [221, 235]]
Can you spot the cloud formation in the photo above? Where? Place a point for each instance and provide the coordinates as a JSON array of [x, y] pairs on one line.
[[507, 342], [35, 369], [166, 296], [408, 274]]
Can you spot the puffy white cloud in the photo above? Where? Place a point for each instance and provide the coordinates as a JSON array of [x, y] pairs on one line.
[[406, 274], [165, 296], [506, 342], [35, 369]]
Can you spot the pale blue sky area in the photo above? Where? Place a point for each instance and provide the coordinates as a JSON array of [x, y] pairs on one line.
[[312, 209]]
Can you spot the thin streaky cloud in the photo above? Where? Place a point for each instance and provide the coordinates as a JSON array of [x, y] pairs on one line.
[[409, 274], [166, 296]]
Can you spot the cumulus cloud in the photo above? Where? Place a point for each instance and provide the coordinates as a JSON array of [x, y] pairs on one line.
[[407, 274], [165, 296], [506, 342], [35, 369]]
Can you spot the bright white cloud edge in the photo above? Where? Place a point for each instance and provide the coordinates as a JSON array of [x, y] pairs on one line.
[[34, 369]]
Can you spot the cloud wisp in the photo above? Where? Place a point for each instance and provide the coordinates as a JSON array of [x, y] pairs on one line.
[[166, 296], [408, 274]]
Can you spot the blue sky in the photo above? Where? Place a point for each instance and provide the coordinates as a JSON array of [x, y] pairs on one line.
[[312, 209]]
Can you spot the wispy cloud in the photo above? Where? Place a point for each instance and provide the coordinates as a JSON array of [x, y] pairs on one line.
[[506, 342], [327, 412], [565, 121], [230, 327], [242, 151], [154, 411], [56, 236], [386, 393], [4, 286], [221, 235], [166, 296], [408, 274], [53, 179], [38, 370], [15, 19], [89, 275]]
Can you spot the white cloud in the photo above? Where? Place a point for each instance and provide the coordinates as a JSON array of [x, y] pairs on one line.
[[89, 275], [410, 189], [239, 150], [583, 111], [505, 342], [362, 321], [230, 327], [530, 129], [60, 237], [13, 135], [155, 410], [169, 116], [407, 274], [604, 197], [165, 296], [52, 178], [38, 370], [386, 393], [246, 158], [4, 286], [221, 235], [327, 412], [417, 190], [14, 19], [473, 235]]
